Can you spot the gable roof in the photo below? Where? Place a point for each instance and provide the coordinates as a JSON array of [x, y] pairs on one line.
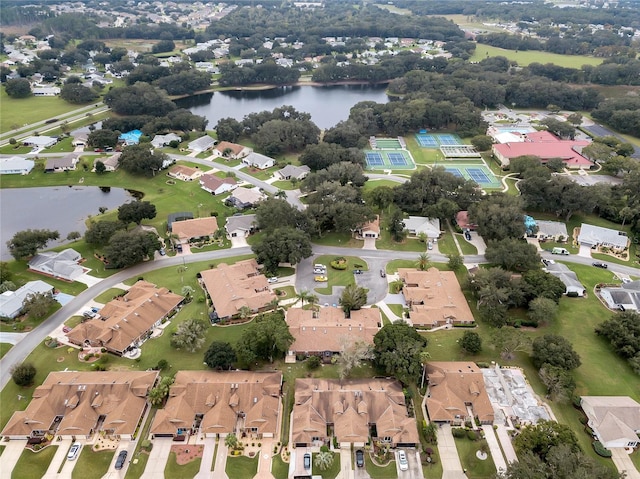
[[545, 145], [613, 417], [247, 196], [568, 277], [240, 222], [195, 228], [203, 143], [552, 228], [11, 301], [82, 399], [16, 164], [327, 330], [292, 171], [162, 140], [422, 224], [233, 286], [67, 161], [212, 182], [235, 148], [259, 160], [183, 170], [63, 264], [220, 397], [593, 235]]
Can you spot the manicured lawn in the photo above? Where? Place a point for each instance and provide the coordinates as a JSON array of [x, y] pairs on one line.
[[241, 467], [108, 295], [393, 265], [407, 244], [635, 457], [396, 308], [4, 348], [92, 464], [380, 472], [28, 323], [465, 246], [446, 244], [332, 472], [14, 149], [476, 469], [189, 469], [279, 468], [22, 275], [373, 184], [285, 185], [339, 277], [33, 465], [434, 469], [338, 239], [261, 174], [18, 111], [524, 58], [290, 292]]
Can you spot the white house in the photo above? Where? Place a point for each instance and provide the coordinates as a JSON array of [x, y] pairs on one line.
[[45, 91], [40, 141], [572, 284], [16, 165], [11, 301], [163, 140], [625, 297], [80, 138], [259, 161], [551, 230], [615, 420], [416, 225], [370, 229], [64, 265], [291, 172], [240, 226], [203, 143], [594, 236], [217, 186]]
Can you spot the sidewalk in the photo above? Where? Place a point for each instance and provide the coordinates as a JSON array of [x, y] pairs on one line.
[[207, 458], [221, 461], [494, 447], [387, 311]]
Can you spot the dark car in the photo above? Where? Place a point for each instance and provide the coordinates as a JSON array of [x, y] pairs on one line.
[[383, 273], [598, 264], [360, 458], [357, 271], [121, 458], [307, 461]]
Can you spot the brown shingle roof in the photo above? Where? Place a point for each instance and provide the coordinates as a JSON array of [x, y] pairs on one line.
[[195, 228], [220, 397], [81, 398], [182, 170], [326, 331], [212, 182], [234, 147], [233, 286]]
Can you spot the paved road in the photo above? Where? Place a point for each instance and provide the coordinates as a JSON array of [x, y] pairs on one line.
[[12, 338]]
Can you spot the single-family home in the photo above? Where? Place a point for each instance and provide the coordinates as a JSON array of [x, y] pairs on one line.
[[615, 420], [434, 298], [292, 172], [126, 322], [11, 301], [369, 230], [163, 140], [551, 231], [179, 216], [40, 141], [195, 229], [232, 151], [216, 185], [572, 284], [201, 144], [80, 138], [218, 403], [62, 265], [185, 173], [352, 412], [259, 161], [243, 198], [110, 163], [60, 164], [45, 91], [240, 226], [625, 297], [16, 165], [456, 393], [80, 404], [233, 287], [327, 332], [130, 137], [416, 225], [598, 236], [463, 222]]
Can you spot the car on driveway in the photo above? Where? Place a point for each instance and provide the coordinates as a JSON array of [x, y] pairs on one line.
[[272, 280], [320, 279], [73, 452], [402, 460], [121, 458], [307, 461], [360, 458], [357, 271], [598, 264]]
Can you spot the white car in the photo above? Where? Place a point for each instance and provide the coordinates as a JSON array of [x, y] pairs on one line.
[[272, 280], [402, 460], [73, 452]]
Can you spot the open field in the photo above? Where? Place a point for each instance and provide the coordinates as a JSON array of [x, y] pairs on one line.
[[524, 58], [20, 111], [470, 22]]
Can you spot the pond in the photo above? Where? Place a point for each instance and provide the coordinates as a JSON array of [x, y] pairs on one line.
[[328, 105], [61, 208]]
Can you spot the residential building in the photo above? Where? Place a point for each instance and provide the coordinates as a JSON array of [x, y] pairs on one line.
[[130, 137], [195, 229], [45, 91], [180, 216], [79, 404], [243, 198], [572, 284], [434, 298], [551, 231], [60, 164], [80, 138], [597, 236], [625, 297], [462, 220], [615, 420], [369, 230], [201, 144], [218, 403], [40, 141], [126, 322], [456, 393], [326, 332], [185, 173], [354, 411], [291, 172], [216, 185], [240, 226], [111, 163], [236, 286], [163, 140], [16, 165], [416, 225], [61, 265], [232, 151], [11, 301], [259, 161]]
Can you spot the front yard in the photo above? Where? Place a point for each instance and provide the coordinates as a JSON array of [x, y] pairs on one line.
[[338, 277]]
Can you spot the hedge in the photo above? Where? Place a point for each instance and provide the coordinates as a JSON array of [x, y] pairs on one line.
[[600, 449]]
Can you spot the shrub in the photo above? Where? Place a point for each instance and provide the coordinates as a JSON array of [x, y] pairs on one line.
[[458, 432], [600, 449], [472, 435], [339, 263], [324, 449], [313, 362]]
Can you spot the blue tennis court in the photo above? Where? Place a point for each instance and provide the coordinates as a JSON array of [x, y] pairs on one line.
[[389, 160], [435, 140], [454, 172], [481, 174], [448, 140], [478, 176], [427, 141], [397, 159], [374, 159]]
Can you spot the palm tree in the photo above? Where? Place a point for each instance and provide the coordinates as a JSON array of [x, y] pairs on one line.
[[244, 312], [423, 262], [313, 300], [187, 291], [231, 441], [273, 304], [323, 460], [303, 296]]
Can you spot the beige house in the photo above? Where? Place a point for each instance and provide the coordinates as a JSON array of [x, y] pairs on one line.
[[215, 403], [232, 151], [125, 323], [370, 229], [195, 228], [434, 298], [456, 393], [615, 420], [355, 411], [80, 404], [232, 287], [185, 173]]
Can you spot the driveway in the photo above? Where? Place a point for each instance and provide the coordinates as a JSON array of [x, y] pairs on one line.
[[238, 241], [494, 447], [12, 452], [369, 243], [207, 458], [157, 458], [477, 241], [623, 463], [415, 467], [585, 251], [507, 445], [451, 466], [12, 338], [221, 461], [346, 471], [58, 458]]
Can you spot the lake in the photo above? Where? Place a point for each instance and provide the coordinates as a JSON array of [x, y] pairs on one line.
[[60, 208], [327, 105]]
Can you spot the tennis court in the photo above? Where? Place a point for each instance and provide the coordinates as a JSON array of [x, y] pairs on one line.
[[478, 173], [374, 159], [388, 144], [389, 160], [435, 140]]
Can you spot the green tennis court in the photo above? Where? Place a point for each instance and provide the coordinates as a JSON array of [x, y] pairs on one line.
[[389, 160]]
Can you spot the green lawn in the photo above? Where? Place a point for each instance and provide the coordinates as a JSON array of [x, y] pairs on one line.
[[408, 244], [380, 472], [92, 464], [190, 469], [373, 184], [476, 469], [446, 244], [332, 472], [33, 465], [18, 111], [524, 58], [261, 174], [108, 295], [393, 265], [339, 277], [465, 246], [4, 348], [240, 467], [22, 275], [285, 185], [338, 239], [279, 468], [434, 469]]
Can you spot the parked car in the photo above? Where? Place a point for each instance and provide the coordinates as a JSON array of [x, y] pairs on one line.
[[360, 458], [467, 236], [89, 314], [357, 271], [547, 262], [73, 452], [66, 329], [121, 458], [319, 271], [402, 460], [162, 252], [430, 245], [272, 280], [320, 279], [383, 273], [599, 264], [307, 461], [320, 266]]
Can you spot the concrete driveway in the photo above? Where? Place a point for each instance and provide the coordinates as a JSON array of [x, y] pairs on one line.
[[346, 470], [221, 461], [451, 466], [494, 447], [157, 458], [59, 457], [415, 466], [623, 463], [207, 458]]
